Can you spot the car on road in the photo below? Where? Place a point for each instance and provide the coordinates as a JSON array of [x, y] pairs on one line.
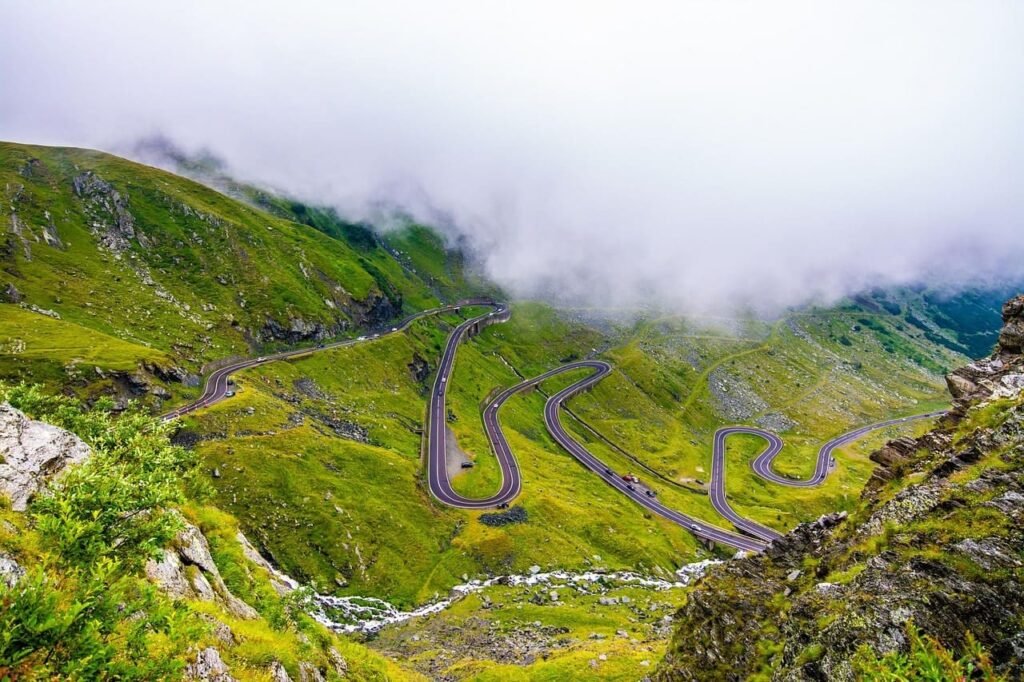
[[694, 526], [608, 471], [394, 329], [361, 338], [261, 359], [631, 486]]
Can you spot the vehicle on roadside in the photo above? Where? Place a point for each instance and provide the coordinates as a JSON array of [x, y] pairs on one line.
[[229, 394], [361, 338], [466, 465], [231, 382], [631, 478], [394, 329], [650, 493], [503, 505], [261, 359]]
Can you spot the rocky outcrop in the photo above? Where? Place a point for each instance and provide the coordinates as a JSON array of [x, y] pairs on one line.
[[945, 551], [1011, 338], [32, 453], [208, 667], [296, 330], [112, 222], [10, 294], [419, 368], [187, 571], [999, 376], [281, 583], [173, 374], [10, 570]]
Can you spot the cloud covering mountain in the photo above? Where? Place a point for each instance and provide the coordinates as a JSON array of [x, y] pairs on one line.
[[695, 154]]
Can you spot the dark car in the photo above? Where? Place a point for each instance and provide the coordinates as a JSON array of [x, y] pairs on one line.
[[608, 471], [651, 493], [467, 465], [503, 505], [631, 486]]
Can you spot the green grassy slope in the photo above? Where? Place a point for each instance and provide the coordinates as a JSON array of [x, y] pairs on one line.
[[355, 517], [154, 260]]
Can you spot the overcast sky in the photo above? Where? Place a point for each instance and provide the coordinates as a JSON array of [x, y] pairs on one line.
[[699, 154]]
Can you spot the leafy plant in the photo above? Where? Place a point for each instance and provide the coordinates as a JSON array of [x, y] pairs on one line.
[[83, 611], [927, 661]]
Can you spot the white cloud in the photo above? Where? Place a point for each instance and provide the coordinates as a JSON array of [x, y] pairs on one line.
[[703, 153]]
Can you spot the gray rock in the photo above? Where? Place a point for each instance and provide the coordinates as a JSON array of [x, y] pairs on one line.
[[281, 583], [208, 667], [278, 673], [10, 570], [309, 673], [187, 571], [32, 453], [987, 553], [1008, 502], [10, 294]]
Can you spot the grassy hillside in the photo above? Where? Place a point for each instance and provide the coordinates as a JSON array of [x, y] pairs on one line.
[[922, 580], [126, 280], [97, 244]]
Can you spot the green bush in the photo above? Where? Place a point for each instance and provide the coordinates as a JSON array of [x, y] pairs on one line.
[[84, 611]]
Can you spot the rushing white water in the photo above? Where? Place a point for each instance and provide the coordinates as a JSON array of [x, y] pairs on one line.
[[367, 614]]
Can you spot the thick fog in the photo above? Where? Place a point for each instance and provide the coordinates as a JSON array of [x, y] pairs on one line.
[[699, 155]]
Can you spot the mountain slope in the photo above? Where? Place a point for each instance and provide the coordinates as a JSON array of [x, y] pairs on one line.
[[935, 542], [158, 261]]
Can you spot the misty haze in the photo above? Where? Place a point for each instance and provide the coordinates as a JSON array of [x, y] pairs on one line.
[[511, 341]]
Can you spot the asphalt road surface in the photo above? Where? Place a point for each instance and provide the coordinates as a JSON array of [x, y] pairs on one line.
[[217, 383], [755, 536], [762, 466]]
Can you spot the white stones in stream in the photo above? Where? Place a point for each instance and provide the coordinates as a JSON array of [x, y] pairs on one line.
[[368, 614]]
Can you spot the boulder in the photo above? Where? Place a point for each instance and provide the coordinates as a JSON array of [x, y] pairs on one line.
[[278, 673], [187, 571], [208, 667], [1011, 338], [10, 570], [32, 453], [10, 294]]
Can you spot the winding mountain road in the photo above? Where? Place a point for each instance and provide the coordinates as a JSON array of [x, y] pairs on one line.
[[753, 536], [216, 386], [762, 466]]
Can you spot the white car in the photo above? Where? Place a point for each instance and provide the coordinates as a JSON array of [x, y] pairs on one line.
[[394, 329], [694, 526], [361, 338], [260, 359]]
